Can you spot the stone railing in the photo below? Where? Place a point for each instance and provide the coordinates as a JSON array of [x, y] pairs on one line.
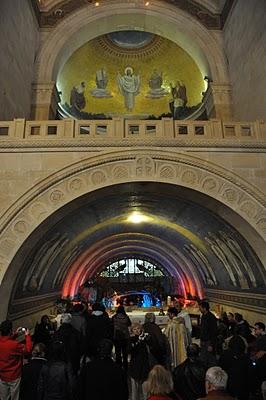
[[119, 128]]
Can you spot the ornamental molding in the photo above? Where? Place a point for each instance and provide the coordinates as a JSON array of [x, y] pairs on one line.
[[117, 167], [69, 144], [248, 301], [209, 19]]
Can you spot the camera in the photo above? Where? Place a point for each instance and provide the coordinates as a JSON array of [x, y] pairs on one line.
[[23, 330]]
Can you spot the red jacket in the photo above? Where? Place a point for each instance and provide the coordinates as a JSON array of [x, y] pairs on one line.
[[11, 357]]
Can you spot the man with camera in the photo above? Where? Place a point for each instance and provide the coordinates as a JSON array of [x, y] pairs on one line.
[[11, 359]]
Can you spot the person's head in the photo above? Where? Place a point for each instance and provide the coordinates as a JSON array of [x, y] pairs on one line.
[[193, 351], [237, 345], [129, 71], [83, 84], [66, 318], [150, 317], [204, 306], [224, 316], [120, 310], [136, 329], [39, 350], [178, 306], [259, 328], [105, 348], [6, 328], [159, 381], [238, 317], [216, 379], [230, 316], [45, 319], [78, 308], [172, 312]]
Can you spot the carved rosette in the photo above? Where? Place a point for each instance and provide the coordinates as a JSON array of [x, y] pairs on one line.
[[167, 172], [120, 172], [190, 177], [75, 185], [21, 227], [98, 177], [261, 224], [56, 196], [210, 185], [230, 195]]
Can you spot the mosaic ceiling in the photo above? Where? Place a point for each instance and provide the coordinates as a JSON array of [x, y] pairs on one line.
[[128, 73]]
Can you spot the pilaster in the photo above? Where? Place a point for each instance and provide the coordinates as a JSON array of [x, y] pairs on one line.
[[45, 99], [222, 101]]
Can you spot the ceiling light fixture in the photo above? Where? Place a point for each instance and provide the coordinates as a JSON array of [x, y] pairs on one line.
[[97, 4], [137, 218]]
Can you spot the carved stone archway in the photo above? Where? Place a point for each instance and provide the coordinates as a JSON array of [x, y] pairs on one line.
[[112, 168]]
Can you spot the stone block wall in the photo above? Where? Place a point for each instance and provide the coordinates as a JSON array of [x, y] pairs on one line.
[[19, 37], [244, 40]]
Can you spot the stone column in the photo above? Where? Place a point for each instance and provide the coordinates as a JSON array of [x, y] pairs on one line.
[[222, 101], [45, 99]]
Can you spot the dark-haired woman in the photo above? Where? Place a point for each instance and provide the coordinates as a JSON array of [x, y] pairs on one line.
[[121, 323], [239, 368]]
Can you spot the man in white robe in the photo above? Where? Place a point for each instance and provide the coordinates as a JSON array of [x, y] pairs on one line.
[[129, 85]]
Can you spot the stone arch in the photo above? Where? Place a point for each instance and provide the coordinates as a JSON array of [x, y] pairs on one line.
[[161, 18], [174, 262], [87, 175]]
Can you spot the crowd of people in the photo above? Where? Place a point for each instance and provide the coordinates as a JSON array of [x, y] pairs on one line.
[[86, 354]]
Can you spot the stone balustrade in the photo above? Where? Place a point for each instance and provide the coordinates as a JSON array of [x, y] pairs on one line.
[[118, 128]]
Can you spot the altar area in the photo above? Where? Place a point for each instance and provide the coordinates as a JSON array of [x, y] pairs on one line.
[[137, 315]]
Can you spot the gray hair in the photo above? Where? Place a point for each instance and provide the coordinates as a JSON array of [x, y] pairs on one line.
[[66, 318], [217, 377], [150, 317]]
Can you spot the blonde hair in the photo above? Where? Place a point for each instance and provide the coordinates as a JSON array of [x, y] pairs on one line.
[[136, 325], [159, 381]]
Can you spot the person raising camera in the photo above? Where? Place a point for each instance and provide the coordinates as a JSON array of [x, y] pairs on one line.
[[11, 359]]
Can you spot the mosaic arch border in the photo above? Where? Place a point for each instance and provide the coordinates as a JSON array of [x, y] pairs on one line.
[[111, 168], [59, 44]]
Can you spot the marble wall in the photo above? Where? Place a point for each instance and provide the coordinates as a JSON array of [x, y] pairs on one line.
[[244, 41], [19, 39]]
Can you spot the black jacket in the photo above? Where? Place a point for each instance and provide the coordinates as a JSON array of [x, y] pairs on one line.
[[56, 382], [102, 379], [189, 379], [29, 378], [208, 328]]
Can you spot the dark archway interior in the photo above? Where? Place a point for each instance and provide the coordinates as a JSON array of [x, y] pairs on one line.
[[179, 228]]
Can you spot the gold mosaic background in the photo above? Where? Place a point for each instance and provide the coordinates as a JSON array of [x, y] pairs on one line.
[[165, 56]]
